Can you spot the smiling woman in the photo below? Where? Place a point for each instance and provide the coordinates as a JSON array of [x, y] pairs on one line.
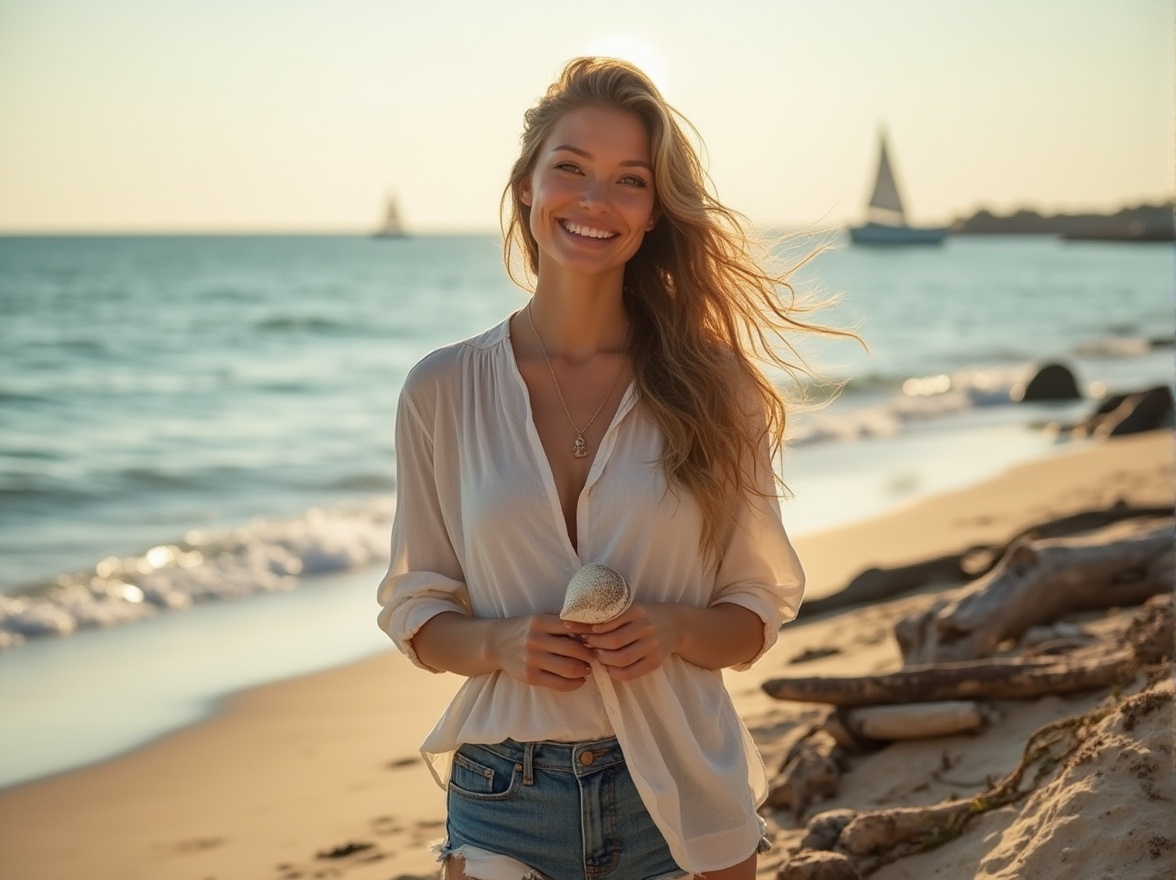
[[590, 196], [619, 419]]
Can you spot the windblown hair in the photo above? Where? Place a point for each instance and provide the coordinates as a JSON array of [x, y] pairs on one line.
[[704, 310]]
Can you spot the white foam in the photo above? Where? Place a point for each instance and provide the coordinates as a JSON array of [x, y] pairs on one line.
[[261, 556], [921, 398]]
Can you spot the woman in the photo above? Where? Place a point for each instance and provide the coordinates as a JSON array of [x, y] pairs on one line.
[[618, 418]]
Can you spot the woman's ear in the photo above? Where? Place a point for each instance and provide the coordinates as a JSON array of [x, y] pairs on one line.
[[525, 191], [652, 222]]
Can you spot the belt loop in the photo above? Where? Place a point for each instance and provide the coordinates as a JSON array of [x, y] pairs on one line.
[[528, 763]]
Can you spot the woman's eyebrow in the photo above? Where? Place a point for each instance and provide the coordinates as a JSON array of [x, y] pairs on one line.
[[639, 163]]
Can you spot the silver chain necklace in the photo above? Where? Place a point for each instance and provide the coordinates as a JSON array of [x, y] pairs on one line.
[[580, 446]]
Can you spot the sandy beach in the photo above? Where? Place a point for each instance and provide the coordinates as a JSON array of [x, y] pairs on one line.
[[320, 776]]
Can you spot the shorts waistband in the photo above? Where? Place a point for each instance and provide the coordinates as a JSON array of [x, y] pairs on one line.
[[580, 758]]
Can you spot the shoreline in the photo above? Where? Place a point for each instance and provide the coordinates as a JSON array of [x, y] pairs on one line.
[[97, 677], [288, 770]]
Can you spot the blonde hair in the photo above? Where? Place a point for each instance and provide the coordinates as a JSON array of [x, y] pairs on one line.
[[702, 308]]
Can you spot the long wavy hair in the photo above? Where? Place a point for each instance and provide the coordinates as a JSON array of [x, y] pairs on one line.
[[705, 311]]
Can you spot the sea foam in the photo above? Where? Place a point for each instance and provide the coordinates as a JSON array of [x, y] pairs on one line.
[[259, 557]]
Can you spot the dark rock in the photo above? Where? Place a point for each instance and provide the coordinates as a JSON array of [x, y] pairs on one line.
[[1145, 411], [1050, 382], [816, 865]]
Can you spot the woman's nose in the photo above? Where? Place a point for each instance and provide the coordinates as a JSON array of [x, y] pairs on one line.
[[594, 195]]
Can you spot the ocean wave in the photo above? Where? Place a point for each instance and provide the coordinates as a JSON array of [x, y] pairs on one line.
[[32, 454], [41, 488], [11, 395], [154, 478], [1121, 347], [304, 324], [260, 557], [366, 482], [917, 399]]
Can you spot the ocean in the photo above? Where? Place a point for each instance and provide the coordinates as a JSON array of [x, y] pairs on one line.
[[196, 459]]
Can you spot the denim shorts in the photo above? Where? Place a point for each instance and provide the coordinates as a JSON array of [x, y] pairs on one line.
[[553, 811]]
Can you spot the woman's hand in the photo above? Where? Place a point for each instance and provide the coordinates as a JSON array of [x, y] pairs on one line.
[[632, 644], [538, 650], [637, 642], [535, 649]]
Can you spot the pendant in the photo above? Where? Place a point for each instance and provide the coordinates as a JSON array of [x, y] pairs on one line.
[[580, 448]]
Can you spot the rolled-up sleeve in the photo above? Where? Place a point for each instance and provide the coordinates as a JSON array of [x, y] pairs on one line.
[[760, 570], [424, 576]]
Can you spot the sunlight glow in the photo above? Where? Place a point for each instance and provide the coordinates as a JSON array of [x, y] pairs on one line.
[[635, 51]]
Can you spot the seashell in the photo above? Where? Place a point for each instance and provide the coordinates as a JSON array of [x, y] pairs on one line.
[[596, 594]]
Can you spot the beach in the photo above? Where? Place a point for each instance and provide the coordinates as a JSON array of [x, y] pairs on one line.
[[319, 776]]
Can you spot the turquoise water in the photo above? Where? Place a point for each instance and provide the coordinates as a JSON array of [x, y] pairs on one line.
[[196, 463]]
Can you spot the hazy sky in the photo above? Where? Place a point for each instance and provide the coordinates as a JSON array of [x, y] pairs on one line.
[[172, 115]]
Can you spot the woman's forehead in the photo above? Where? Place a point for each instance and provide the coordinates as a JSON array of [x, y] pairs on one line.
[[601, 132]]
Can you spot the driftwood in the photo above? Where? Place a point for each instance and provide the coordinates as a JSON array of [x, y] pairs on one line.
[[877, 584], [1146, 641], [875, 838], [914, 721], [817, 865], [1037, 582], [996, 679], [811, 770]]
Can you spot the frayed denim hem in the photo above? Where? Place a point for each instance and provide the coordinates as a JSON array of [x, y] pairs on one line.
[[481, 864]]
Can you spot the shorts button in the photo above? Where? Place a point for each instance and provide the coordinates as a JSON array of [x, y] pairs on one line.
[[587, 758]]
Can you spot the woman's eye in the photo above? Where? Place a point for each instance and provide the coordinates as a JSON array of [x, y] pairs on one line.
[[631, 180], [567, 166]]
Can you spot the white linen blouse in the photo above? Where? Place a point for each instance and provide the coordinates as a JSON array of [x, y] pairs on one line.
[[479, 530]]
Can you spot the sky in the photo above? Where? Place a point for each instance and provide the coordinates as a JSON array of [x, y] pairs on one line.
[[307, 115]]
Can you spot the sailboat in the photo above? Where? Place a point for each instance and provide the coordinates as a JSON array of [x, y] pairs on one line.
[[885, 217], [391, 227]]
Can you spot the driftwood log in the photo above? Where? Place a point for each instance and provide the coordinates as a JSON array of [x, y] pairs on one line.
[[876, 584], [1039, 581], [817, 865], [810, 771], [996, 679], [877, 837], [914, 721], [1148, 640]]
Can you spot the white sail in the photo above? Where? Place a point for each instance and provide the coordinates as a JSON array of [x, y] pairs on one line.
[[392, 226], [885, 217], [885, 202]]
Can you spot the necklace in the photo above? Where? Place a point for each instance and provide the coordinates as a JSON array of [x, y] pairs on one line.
[[580, 446]]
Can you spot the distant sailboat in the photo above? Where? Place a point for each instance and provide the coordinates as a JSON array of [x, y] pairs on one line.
[[392, 226], [885, 217]]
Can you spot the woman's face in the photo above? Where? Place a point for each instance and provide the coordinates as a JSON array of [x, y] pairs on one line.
[[591, 192]]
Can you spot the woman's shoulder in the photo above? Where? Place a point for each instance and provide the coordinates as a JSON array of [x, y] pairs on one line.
[[451, 363]]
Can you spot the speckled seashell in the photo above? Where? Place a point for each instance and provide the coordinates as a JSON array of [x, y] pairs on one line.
[[596, 594]]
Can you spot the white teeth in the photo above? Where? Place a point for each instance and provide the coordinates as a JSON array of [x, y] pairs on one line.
[[587, 231]]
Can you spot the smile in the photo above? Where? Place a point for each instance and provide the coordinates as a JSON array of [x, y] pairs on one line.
[[586, 231]]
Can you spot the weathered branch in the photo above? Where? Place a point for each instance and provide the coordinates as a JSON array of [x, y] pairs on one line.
[[877, 584], [1011, 678], [913, 721], [878, 837], [1037, 582], [811, 770]]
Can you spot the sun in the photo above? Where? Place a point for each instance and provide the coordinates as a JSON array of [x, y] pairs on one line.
[[635, 51]]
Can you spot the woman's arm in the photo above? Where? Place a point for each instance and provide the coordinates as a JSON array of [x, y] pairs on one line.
[[640, 640], [536, 649]]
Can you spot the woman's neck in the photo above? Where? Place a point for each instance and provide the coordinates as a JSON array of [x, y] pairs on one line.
[[581, 316]]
